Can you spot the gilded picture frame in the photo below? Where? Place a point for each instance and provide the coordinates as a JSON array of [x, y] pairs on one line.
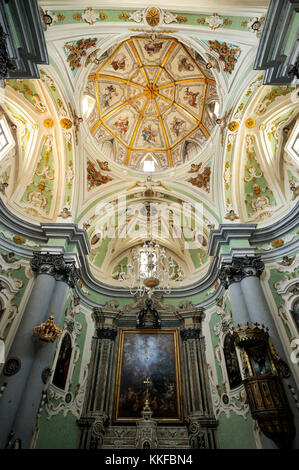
[[153, 354]]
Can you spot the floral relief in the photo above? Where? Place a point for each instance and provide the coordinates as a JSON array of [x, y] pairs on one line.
[[228, 54], [95, 177], [75, 50], [202, 180]]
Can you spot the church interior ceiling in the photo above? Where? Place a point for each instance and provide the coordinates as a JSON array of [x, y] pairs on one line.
[[179, 95]]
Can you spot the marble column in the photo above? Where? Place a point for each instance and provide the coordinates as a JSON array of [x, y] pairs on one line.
[[249, 269], [22, 352], [25, 348], [257, 304], [230, 277], [23, 426], [94, 418]]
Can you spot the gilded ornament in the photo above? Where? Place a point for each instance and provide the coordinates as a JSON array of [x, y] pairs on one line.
[[19, 239], [77, 16], [250, 123], [66, 123], [152, 16], [47, 331], [233, 126], [277, 243], [48, 123]]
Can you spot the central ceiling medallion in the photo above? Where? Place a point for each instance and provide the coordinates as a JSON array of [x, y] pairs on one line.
[[153, 95]]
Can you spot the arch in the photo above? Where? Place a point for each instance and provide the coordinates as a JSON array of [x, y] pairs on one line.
[[231, 362], [63, 362]]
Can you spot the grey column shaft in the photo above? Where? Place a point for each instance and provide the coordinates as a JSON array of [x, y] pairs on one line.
[[240, 311], [30, 401], [24, 348], [259, 310]]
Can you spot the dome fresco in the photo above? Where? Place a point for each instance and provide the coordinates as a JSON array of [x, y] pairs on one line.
[[155, 101]]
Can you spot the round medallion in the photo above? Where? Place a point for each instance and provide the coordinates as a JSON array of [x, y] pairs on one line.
[[250, 123], [48, 123], [19, 239], [152, 16], [12, 366], [225, 399], [277, 243], [68, 398], [233, 126], [66, 123]]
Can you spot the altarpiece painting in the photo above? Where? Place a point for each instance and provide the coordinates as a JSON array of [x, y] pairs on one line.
[[148, 354]]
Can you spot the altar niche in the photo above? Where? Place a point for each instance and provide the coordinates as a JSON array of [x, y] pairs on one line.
[[152, 355]]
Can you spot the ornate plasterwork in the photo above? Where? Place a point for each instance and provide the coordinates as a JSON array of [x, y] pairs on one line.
[[232, 399], [55, 265], [236, 404], [9, 287], [153, 16], [115, 231], [75, 50], [155, 101], [227, 53], [66, 401]]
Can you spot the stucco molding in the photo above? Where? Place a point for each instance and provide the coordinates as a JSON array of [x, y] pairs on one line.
[[78, 238]]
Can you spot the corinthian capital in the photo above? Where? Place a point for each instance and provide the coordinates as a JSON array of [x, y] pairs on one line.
[[240, 267], [55, 265]]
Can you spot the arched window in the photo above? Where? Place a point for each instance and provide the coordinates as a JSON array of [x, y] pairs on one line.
[[63, 362], [2, 309], [231, 361], [295, 312]]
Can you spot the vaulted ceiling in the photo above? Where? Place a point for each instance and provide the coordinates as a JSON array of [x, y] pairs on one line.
[[180, 93]]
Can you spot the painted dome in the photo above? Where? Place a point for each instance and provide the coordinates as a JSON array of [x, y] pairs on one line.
[[155, 102]]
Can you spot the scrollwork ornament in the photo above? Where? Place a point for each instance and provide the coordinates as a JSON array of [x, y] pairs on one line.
[[239, 268], [55, 265], [193, 427], [98, 429]]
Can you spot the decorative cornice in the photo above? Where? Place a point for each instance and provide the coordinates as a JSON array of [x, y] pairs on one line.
[[79, 238], [71, 232], [54, 265], [227, 232], [18, 225], [277, 229], [239, 268], [271, 55]]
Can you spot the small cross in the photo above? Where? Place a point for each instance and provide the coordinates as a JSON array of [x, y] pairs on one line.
[[147, 382], [146, 405]]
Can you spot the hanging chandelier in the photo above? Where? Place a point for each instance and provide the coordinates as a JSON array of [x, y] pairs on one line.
[[150, 269]]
